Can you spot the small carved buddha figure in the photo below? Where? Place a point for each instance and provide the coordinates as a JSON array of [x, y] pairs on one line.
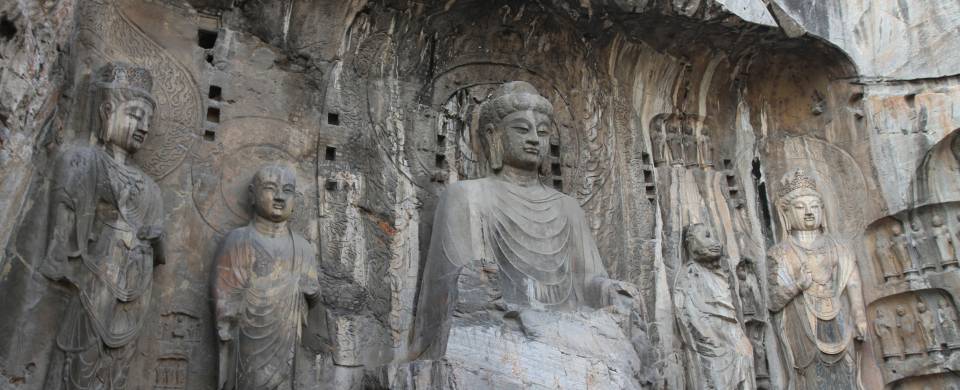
[[720, 354], [945, 243], [890, 343], [918, 242], [913, 342], [690, 156], [749, 288], [901, 249], [536, 237], [947, 317], [675, 140], [658, 144], [928, 324], [705, 148], [887, 261], [105, 228], [265, 281], [814, 291]]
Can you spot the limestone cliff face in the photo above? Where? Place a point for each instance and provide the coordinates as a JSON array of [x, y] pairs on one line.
[[668, 112]]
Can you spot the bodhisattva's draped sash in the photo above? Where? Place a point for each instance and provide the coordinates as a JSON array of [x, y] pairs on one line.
[[538, 238]]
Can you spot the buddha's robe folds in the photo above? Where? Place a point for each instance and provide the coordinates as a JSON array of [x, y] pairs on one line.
[[537, 236], [97, 208], [817, 326], [719, 351], [266, 297]]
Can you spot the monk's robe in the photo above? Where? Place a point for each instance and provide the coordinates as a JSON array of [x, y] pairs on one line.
[[817, 326], [718, 350], [538, 238], [267, 299], [97, 208]]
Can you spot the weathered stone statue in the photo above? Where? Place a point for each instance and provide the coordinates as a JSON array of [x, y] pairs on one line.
[[918, 242], [749, 288], [886, 330], [675, 140], [705, 148], [901, 249], [719, 354], [658, 143], [814, 292], [105, 229], [945, 243], [511, 246], [266, 279], [913, 343], [887, 261], [947, 317], [689, 140], [928, 324]]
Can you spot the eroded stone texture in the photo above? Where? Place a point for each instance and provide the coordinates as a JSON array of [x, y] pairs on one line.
[[667, 113]]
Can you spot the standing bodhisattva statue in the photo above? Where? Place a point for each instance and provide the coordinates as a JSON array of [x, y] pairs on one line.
[[814, 292], [265, 281], [105, 228], [537, 237]]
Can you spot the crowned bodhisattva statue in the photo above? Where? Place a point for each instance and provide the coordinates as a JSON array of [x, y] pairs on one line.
[[105, 223], [814, 292], [266, 280], [536, 238]]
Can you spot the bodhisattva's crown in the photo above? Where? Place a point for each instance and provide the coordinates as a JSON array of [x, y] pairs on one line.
[[795, 181], [120, 75]]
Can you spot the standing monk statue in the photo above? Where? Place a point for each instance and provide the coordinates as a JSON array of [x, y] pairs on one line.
[[537, 237], [105, 227], [265, 281], [719, 354], [814, 292]]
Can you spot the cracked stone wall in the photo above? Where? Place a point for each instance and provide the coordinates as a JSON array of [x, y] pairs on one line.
[[376, 103]]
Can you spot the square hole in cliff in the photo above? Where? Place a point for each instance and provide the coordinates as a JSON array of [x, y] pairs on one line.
[[333, 119], [206, 39], [330, 154], [216, 93], [213, 115]]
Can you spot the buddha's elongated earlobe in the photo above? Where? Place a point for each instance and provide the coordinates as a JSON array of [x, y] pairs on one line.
[[495, 146]]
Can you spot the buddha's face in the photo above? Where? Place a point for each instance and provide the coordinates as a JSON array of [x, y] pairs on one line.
[[525, 136], [921, 307], [804, 213], [703, 245], [274, 193], [127, 123]]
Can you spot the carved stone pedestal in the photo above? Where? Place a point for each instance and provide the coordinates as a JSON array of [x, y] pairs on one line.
[[570, 351]]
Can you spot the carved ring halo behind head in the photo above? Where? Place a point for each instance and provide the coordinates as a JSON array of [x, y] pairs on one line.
[[124, 105], [516, 106]]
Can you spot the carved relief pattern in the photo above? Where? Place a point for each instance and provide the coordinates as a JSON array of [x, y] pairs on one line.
[[112, 35]]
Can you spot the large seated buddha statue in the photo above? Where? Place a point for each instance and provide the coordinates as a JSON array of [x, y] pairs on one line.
[[512, 267]]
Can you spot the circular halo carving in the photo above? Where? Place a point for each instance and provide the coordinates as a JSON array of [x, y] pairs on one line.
[[221, 172]]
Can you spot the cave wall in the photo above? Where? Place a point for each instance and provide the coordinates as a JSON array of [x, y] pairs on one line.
[[376, 102]]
